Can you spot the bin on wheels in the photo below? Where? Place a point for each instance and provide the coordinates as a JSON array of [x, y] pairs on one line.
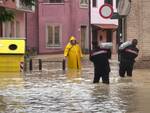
[[12, 55]]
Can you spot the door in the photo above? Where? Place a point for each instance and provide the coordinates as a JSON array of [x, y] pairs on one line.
[[83, 38], [109, 35]]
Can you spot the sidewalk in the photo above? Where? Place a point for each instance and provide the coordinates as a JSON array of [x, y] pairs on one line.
[[61, 56], [54, 56]]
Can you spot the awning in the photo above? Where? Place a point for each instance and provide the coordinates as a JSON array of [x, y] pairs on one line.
[[106, 26]]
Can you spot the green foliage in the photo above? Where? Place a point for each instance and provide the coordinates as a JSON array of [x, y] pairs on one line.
[[6, 15], [28, 2]]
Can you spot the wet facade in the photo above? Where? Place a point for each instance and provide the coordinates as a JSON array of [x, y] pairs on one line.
[[17, 27], [54, 22], [137, 25]]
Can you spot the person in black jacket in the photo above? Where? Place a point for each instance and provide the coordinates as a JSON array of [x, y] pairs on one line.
[[100, 58], [128, 55]]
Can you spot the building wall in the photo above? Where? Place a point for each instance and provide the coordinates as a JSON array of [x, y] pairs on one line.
[[69, 15], [20, 17], [47, 15], [8, 4], [80, 17], [138, 26], [15, 28], [32, 30]]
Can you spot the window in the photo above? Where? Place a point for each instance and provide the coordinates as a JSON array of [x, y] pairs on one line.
[[12, 32], [109, 2], [11, 29], [84, 3], [94, 3], [55, 1], [83, 37], [7, 29], [17, 28], [53, 35]]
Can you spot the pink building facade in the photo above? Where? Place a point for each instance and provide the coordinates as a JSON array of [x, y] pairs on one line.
[[54, 21], [17, 27]]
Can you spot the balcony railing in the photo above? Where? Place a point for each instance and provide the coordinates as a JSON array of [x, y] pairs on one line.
[[23, 7]]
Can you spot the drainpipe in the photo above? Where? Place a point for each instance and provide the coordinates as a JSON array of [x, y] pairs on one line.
[[37, 20], [26, 38], [89, 27]]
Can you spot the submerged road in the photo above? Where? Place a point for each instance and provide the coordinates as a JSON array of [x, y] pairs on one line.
[[57, 91]]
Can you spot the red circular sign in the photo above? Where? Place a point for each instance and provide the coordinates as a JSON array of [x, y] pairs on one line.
[[106, 11]]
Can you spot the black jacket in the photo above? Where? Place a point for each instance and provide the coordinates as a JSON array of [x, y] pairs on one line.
[[100, 58], [129, 53]]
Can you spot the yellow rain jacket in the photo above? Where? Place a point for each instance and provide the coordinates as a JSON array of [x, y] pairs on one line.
[[74, 54]]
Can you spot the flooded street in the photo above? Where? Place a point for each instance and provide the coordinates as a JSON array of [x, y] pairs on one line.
[[56, 91]]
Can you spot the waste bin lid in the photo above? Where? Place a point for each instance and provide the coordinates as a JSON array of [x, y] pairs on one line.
[[15, 46]]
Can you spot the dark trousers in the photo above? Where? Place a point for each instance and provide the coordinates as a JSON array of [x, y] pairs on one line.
[[98, 75], [125, 66]]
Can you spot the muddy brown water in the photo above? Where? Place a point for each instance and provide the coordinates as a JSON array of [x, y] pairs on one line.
[[57, 91]]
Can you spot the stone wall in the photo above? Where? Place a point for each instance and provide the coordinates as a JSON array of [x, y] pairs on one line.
[[138, 26]]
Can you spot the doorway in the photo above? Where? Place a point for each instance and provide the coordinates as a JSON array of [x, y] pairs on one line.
[[83, 38], [109, 35]]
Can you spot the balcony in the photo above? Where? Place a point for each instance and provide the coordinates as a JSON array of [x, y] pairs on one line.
[[23, 7], [16, 4], [8, 4]]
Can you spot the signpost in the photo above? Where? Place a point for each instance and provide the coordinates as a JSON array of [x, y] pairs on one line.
[[124, 7]]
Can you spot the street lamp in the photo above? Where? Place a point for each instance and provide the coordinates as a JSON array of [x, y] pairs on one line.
[[123, 8]]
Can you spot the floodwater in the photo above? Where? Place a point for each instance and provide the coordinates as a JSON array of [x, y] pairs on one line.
[[57, 91]]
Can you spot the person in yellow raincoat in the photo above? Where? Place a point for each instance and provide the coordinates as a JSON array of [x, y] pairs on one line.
[[73, 53]]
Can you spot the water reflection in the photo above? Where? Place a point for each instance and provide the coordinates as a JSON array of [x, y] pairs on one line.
[[72, 91], [10, 79], [123, 94], [112, 99], [74, 75], [10, 85], [3, 104], [100, 98]]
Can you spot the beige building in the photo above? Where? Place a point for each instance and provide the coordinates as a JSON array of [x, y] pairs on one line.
[[138, 26]]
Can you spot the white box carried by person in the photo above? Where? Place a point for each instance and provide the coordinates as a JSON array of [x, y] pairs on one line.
[[124, 45], [106, 45]]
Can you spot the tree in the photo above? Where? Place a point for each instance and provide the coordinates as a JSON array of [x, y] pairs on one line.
[[28, 2], [8, 15]]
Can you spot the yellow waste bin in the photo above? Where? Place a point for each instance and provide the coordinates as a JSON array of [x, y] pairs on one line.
[[12, 55]]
